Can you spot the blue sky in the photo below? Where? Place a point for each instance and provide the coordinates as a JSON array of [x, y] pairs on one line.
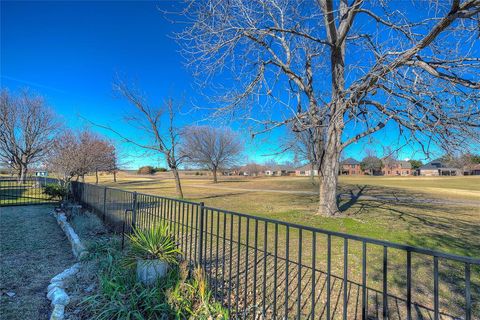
[[70, 52]]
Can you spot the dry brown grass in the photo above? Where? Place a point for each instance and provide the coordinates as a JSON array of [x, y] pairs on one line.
[[33, 249]]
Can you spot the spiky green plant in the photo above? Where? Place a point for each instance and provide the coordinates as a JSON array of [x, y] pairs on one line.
[[156, 243]]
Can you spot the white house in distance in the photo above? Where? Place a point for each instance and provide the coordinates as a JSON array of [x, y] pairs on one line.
[[41, 173], [279, 171], [306, 171]]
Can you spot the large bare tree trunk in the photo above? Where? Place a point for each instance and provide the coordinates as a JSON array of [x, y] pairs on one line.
[[96, 176], [215, 179], [114, 175], [178, 185], [23, 173], [329, 172]]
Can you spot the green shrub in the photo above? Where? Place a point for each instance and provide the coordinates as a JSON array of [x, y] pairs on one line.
[[151, 244], [119, 295], [176, 296], [192, 298], [56, 191]]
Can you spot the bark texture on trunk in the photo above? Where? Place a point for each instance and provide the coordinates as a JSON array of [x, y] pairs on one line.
[[96, 176], [23, 173], [178, 185], [328, 205], [215, 179], [114, 176]]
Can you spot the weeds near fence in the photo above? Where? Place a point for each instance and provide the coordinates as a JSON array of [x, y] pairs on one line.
[[181, 294], [260, 267]]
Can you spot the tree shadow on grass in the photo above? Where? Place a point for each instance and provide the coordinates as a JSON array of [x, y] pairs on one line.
[[431, 223]]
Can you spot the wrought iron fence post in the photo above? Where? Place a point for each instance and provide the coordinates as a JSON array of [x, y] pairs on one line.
[[104, 203], [200, 242], [134, 210]]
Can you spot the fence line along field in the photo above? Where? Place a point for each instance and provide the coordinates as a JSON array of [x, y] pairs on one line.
[[442, 213], [281, 254]]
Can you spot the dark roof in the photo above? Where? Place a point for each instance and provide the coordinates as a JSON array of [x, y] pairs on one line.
[[405, 164], [428, 167], [432, 165], [350, 161], [436, 164]]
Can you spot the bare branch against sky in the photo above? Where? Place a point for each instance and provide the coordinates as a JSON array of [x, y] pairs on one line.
[[346, 69]]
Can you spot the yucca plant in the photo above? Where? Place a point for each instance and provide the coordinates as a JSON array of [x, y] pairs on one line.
[[152, 244]]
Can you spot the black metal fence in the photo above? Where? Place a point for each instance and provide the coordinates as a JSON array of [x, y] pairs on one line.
[[29, 191], [267, 269]]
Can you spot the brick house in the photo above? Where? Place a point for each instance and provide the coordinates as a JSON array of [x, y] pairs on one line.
[[350, 166], [397, 168], [438, 168]]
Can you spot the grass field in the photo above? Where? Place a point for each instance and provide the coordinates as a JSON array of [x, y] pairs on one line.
[[14, 193], [33, 249], [441, 213], [437, 213]]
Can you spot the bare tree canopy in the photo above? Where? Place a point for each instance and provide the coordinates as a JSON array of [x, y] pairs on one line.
[[27, 127], [76, 154], [157, 137], [346, 68], [214, 148]]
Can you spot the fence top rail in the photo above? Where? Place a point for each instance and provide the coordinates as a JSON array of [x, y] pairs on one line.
[[408, 248]]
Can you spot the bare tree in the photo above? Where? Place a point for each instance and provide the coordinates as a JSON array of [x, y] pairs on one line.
[[215, 148], [77, 154], [105, 157], [306, 146], [27, 127], [64, 156], [158, 138], [254, 169], [372, 164], [345, 68]]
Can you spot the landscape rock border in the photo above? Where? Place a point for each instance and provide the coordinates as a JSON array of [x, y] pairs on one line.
[[56, 289]]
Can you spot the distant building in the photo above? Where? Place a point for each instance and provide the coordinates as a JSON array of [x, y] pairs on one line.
[[40, 173], [473, 171], [397, 168], [278, 171], [438, 168], [350, 167], [306, 171]]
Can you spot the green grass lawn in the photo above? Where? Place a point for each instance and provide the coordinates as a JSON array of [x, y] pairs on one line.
[[437, 213], [15, 193], [33, 249], [416, 210]]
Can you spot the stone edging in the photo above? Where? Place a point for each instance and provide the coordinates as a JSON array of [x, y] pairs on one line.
[[56, 292], [78, 248], [56, 289]]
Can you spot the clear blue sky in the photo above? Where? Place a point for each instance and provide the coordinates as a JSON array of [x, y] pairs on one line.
[[70, 51]]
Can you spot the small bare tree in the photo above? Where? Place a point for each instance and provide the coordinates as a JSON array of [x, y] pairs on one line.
[[215, 148], [27, 127], [254, 169], [76, 154], [158, 138], [345, 68], [306, 146]]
